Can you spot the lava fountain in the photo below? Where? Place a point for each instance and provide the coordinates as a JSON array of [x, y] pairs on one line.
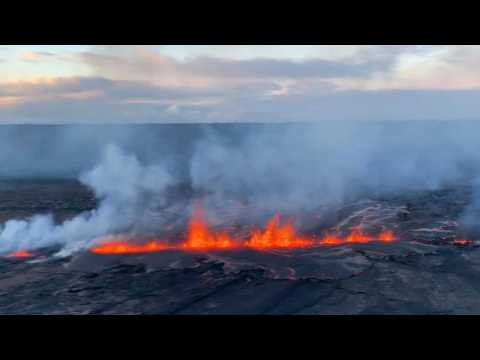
[[200, 237], [357, 235], [276, 235]]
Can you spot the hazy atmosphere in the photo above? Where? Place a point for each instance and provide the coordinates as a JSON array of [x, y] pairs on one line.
[[201, 83], [322, 175]]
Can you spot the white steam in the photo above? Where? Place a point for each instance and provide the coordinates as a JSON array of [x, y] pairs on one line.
[[124, 188], [287, 168]]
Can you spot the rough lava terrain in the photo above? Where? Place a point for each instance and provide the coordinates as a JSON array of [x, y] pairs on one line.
[[426, 271]]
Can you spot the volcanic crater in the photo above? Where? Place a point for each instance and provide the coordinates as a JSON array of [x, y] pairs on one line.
[[341, 264]]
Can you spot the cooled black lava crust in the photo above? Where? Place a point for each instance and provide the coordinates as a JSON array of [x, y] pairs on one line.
[[422, 273]]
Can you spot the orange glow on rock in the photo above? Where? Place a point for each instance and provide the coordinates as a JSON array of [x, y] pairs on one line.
[[200, 237], [276, 235], [331, 239], [462, 242], [387, 236], [21, 254], [124, 247], [358, 236]]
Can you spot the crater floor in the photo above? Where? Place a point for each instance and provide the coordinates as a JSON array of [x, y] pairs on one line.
[[424, 272]]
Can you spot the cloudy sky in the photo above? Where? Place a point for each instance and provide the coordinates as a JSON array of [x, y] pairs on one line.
[[203, 83]]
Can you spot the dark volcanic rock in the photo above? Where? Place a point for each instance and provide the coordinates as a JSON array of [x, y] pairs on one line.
[[421, 273], [63, 198]]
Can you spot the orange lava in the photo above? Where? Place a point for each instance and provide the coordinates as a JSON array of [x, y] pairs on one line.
[[200, 237], [331, 239], [462, 242], [21, 254], [387, 236], [124, 247], [357, 235], [275, 236]]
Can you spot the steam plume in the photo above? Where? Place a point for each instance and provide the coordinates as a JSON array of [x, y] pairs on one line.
[[286, 168], [125, 189]]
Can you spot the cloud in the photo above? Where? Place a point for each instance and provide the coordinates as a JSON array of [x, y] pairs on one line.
[[385, 105], [270, 68], [84, 99], [430, 67], [148, 64], [33, 56], [6, 101], [140, 84], [100, 100], [119, 89], [386, 67]]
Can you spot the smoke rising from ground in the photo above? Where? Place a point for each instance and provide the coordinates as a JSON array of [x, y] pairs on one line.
[[304, 166], [125, 189], [288, 168]]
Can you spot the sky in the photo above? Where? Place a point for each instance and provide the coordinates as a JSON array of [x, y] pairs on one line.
[[234, 83]]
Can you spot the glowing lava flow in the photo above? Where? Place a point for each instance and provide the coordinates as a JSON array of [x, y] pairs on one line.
[[21, 254], [357, 236], [274, 236], [124, 247], [200, 237], [277, 236], [462, 242]]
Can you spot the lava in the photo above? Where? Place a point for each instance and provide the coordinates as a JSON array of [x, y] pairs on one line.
[[331, 239], [200, 237], [462, 242], [21, 254], [276, 235], [356, 235], [387, 236], [125, 247]]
